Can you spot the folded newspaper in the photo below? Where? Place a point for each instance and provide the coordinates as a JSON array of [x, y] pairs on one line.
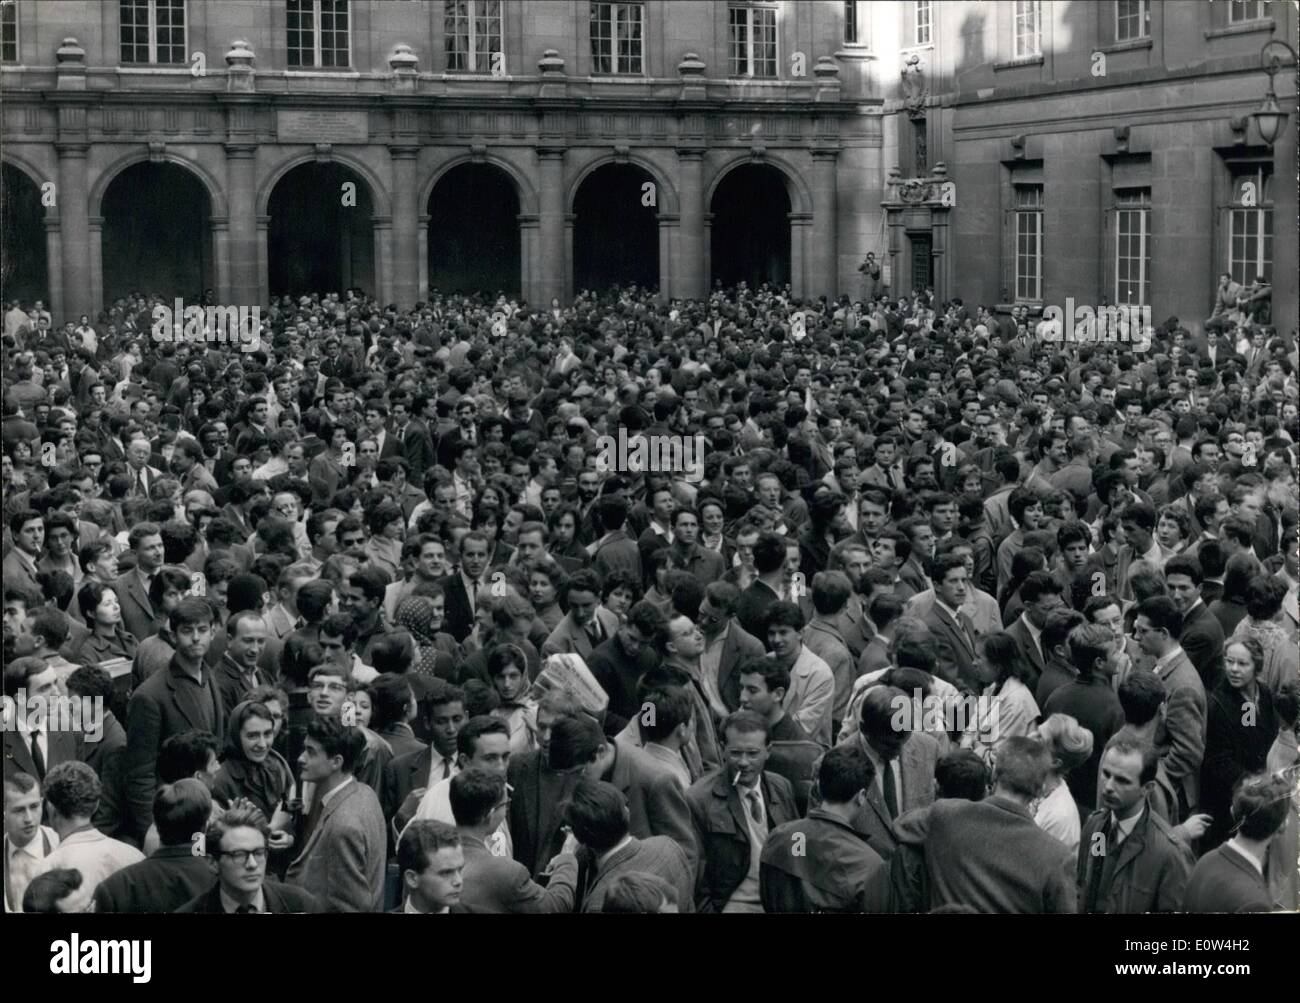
[[569, 672]]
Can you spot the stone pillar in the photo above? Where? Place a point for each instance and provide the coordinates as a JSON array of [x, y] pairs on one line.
[[406, 251], [54, 269], [263, 259], [549, 262], [800, 227], [243, 278], [221, 264], [668, 255], [422, 243], [95, 251], [692, 278], [1285, 303], [707, 270], [528, 277], [384, 279], [822, 277], [74, 224]]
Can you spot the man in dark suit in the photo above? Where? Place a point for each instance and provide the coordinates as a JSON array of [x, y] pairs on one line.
[[341, 860], [597, 813], [792, 753], [1202, 634], [132, 588], [236, 845], [417, 443], [733, 812], [461, 586], [755, 602], [821, 863], [1041, 594], [408, 776], [587, 625], [29, 749], [726, 643], [953, 631], [183, 697], [28, 531], [1142, 866], [1230, 878], [656, 803], [615, 550], [495, 883], [174, 873], [622, 659], [238, 673], [990, 855], [904, 761]]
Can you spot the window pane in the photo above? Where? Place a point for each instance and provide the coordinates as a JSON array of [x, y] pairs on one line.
[[9, 33], [738, 27], [1130, 20], [922, 22]]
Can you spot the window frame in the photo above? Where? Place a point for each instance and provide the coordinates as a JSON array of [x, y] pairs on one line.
[[9, 19], [613, 38], [1261, 7], [151, 33], [472, 18], [750, 9], [917, 7], [1263, 211], [1016, 35], [317, 31], [1142, 209], [1022, 211], [1143, 19]]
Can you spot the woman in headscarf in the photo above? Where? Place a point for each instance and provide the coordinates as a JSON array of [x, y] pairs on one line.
[[1264, 597], [251, 770], [437, 653]]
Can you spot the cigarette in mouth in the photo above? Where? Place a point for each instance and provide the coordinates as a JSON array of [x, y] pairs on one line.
[[736, 779]]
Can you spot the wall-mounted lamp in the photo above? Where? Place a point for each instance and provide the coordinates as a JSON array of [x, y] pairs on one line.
[[1269, 117]]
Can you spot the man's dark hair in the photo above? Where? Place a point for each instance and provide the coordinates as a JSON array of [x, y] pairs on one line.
[[597, 814], [336, 739], [185, 754], [180, 810], [844, 771], [1163, 614], [474, 729], [962, 774], [47, 890], [421, 840], [473, 794], [574, 742]]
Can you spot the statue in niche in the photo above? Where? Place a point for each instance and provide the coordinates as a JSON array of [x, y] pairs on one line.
[[914, 89]]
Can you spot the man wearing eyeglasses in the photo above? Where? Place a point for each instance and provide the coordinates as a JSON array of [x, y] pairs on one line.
[[235, 845]]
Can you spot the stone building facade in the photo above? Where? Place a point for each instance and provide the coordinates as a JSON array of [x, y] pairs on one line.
[[541, 146]]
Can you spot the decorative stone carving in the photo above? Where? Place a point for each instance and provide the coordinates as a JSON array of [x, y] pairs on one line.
[[405, 67], [915, 92], [71, 60], [827, 73], [240, 74], [1121, 133], [1018, 146], [555, 82], [691, 70]]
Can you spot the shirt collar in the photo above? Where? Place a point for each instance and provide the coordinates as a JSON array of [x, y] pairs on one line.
[[1165, 660], [410, 907], [326, 798], [1034, 632], [228, 904], [35, 847]]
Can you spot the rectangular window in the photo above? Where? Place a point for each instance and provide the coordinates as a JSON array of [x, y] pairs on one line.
[[1131, 20], [473, 30], [1240, 11], [617, 37], [1029, 242], [319, 34], [752, 36], [921, 22], [1250, 224], [1133, 246], [852, 23], [1028, 29], [152, 31], [9, 33]]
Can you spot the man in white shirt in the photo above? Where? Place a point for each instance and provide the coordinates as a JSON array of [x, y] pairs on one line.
[[72, 791], [484, 742], [26, 842]]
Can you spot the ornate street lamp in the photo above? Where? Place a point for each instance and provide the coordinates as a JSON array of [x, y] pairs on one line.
[[1269, 117]]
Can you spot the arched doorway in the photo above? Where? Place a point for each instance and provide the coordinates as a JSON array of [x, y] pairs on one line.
[[24, 268], [615, 233], [157, 235], [474, 232], [751, 227], [321, 236]]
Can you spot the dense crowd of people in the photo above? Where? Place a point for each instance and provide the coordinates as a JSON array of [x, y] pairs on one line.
[[958, 615]]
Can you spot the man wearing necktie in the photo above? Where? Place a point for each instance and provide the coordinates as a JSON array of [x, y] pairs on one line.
[[1130, 859]]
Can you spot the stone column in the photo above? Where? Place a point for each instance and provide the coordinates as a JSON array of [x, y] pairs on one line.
[[422, 243], [263, 259], [800, 226], [54, 268], [528, 277], [74, 223], [406, 252], [691, 278], [822, 275], [243, 278], [221, 264], [383, 230], [669, 255], [549, 263], [95, 252]]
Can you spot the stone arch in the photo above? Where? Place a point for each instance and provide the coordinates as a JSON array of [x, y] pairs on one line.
[[216, 194], [35, 176], [800, 195], [666, 195], [380, 199], [525, 191]]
